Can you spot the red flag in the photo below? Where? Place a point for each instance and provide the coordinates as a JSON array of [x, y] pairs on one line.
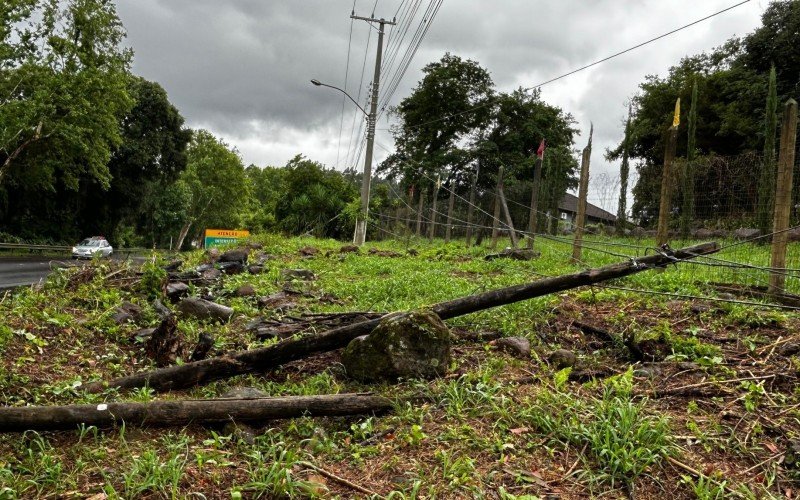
[[540, 151]]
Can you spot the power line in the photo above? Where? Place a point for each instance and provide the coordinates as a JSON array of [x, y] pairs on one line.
[[582, 68], [346, 73]]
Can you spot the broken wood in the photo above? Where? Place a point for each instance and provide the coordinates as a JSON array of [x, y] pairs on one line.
[[165, 343], [177, 413], [268, 358]]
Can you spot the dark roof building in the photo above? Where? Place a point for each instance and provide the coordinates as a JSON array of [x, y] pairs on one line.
[[568, 210]]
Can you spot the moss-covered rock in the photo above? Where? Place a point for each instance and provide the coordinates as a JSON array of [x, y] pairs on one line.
[[404, 345]]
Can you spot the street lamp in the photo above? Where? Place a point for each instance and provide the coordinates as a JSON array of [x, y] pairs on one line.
[[361, 221]]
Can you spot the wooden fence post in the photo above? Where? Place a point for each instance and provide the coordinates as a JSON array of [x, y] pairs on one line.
[[471, 207], [419, 211], [537, 180], [496, 218], [662, 234], [783, 197], [450, 205], [583, 191], [432, 229], [510, 222]]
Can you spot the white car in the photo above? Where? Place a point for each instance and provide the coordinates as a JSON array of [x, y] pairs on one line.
[[88, 248]]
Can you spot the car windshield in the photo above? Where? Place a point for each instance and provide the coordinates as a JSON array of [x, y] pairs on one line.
[[89, 243]]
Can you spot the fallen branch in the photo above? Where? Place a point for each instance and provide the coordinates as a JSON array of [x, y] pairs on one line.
[[340, 480], [268, 358], [177, 413]]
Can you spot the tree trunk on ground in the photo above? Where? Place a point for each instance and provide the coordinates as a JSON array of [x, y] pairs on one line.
[[179, 413], [268, 358]]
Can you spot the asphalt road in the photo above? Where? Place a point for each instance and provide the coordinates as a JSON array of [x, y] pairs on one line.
[[21, 271]]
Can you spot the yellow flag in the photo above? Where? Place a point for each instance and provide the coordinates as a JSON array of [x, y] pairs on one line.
[[676, 120]]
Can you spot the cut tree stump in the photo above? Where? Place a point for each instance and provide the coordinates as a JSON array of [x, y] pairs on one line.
[[179, 413], [268, 358]]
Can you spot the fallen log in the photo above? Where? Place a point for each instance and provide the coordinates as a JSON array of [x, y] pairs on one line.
[[267, 358], [178, 413]]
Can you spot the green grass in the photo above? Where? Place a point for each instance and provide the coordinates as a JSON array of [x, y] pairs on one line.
[[475, 431]]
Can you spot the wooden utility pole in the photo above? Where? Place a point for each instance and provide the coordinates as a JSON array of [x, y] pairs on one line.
[[432, 229], [419, 212], [471, 207], [360, 234], [783, 197], [583, 192], [537, 180], [496, 217], [662, 234], [450, 206]]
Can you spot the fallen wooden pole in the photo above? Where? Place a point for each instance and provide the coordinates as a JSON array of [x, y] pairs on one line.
[[268, 358], [176, 413]]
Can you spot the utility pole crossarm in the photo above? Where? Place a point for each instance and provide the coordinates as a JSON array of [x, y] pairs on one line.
[[372, 20]]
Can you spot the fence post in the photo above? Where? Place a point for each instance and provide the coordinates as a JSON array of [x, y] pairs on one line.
[[496, 218], [511, 231], [471, 207], [419, 211], [432, 229], [662, 234], [783, 197], [450, 204], [537, 179], [583, 191]]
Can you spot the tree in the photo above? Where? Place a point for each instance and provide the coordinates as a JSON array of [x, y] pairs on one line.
[[624, 173], [62, 90], [145, 165], [217, 185], [314, 200], [452, 102]]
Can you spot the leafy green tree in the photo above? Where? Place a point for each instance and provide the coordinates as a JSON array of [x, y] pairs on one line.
[[314, 199], [149, 159], [219, 190], [451, 103], [624, 172], [268, 187], [63, 89]]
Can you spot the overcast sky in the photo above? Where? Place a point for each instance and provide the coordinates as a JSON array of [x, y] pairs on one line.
[[241, 68]]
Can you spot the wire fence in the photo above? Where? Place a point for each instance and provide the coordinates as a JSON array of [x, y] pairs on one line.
[[720, 201]]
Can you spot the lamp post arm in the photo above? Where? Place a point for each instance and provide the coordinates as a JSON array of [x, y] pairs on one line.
[[320, 84]]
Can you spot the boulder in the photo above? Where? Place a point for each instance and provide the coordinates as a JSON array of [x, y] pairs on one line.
[[308, 251], [403, 345], [213, 254], [176, 290], [562, 358], [235, 267], [204, 309], [255, 269], [126, 312], [518, 346], [746, 233], [235, 255], [246, 290], [210, 274]]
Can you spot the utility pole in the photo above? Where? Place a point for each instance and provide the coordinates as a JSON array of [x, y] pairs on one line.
[[361, 222]]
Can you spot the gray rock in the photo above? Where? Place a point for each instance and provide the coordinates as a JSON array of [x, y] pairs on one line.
[[244, 393], [213, 254], [235, 255], [240, 432], [298, 274], [562, 358], [793, 234], [142, 335], [246, 290], [176, 290], [234, 267], [210, 274], [415, 344], [127, 312], [204, 309], [746, 233], [255, 269], [518, 346]]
